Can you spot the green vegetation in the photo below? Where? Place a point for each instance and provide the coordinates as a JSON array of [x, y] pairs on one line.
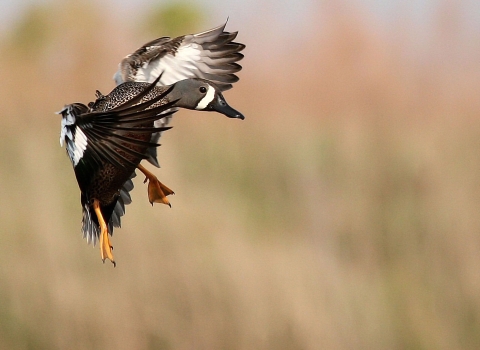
[[174, 18]]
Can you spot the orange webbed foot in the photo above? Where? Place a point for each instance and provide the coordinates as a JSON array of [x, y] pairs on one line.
[[157, 192]]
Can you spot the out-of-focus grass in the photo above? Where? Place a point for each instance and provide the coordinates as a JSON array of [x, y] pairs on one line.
[[342, 213]]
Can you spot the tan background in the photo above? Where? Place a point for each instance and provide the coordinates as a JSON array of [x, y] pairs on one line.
[[343, 213]]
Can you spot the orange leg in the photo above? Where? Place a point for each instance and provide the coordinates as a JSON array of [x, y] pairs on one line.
[[157, 192], [105, 245]]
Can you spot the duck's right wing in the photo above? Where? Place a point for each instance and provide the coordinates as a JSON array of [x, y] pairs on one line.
[[208, 55]]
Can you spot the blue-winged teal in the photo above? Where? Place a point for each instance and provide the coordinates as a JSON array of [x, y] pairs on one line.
[[107, 139]]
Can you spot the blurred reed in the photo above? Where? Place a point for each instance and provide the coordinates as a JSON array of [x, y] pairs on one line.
[[342, 213]]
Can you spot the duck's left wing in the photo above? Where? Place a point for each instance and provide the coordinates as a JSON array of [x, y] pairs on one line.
[[103, 133]]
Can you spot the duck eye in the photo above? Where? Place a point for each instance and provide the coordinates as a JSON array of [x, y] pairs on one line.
[[203, 89]]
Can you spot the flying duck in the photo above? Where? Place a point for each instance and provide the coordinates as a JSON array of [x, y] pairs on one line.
[[107, 140]]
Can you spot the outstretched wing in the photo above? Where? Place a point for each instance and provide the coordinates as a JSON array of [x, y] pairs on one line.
[[108, 136], [208, 55], [211, 55]]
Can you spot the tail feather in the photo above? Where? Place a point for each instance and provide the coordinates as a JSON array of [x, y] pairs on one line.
[[90, 225]]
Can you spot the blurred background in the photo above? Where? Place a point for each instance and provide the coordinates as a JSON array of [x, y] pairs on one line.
[[343, 213]]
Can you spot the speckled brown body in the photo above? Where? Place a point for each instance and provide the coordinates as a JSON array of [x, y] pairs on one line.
[[108, 180]]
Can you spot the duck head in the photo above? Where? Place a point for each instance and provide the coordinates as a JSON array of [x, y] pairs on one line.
[[202, 95]]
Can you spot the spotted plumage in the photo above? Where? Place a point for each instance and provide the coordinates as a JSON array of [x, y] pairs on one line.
[[107, 139]]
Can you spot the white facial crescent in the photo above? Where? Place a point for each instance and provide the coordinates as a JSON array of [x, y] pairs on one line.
[[204, 102]]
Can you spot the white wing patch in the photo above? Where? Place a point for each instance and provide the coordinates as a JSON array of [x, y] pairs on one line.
[[184, 65], [210, 55], [80, 145], [67, 120], [204, 102], [75, 139]]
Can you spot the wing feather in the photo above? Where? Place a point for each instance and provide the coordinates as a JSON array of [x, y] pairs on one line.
[[211, 55], [184, 57]]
